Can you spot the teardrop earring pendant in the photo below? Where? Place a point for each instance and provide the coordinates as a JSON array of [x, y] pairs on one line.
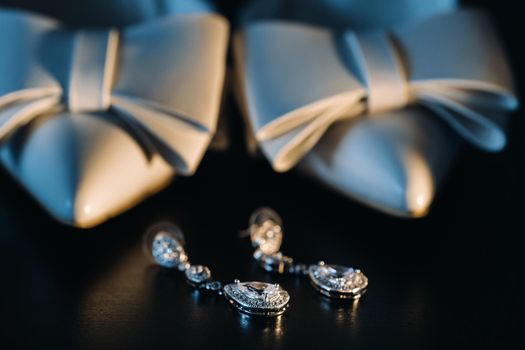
[[333, 281], [164, 245]]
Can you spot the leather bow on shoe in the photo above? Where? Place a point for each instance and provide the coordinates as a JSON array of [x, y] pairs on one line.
[[160, 83], [299, 81], [153, 77]]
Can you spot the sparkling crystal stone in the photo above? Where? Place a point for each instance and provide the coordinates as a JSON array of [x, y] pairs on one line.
[[197, 274], [338, 281], [167, 251], [266, 231], [261, 291], [257, 298], [268, 237]]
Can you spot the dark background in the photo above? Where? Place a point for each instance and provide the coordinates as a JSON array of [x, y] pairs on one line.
[[450, 280]]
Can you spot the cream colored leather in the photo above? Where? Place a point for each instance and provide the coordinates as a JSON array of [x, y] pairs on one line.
[[359, 110], [93, 121]]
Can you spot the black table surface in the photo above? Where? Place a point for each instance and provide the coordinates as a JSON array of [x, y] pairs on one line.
[[449, 280]]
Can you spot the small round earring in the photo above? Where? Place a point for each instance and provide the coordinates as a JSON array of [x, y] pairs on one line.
[[334, 281], [164, 245]]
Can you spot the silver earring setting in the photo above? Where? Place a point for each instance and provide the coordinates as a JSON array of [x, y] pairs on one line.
[[333, 281], [164, 244]]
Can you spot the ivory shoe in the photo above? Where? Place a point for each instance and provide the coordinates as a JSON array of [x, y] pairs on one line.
[[371, 113], [93, 121]]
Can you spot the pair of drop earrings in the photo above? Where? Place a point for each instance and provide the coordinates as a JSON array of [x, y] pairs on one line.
[[164, 244]]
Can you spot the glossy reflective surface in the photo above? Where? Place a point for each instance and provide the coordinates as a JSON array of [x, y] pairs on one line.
[[430, 279]]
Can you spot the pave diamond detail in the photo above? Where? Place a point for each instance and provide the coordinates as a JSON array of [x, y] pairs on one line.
[[197, 274], [266, 231], [267, 237], [167, 251], [257, 298], [338, 281]]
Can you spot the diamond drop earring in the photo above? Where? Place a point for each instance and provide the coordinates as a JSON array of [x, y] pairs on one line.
[[333, 281], [164, 244]]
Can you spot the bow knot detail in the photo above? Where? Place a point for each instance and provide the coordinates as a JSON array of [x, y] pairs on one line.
[[381, 65], [161, 80], [92, 70], [452, 65]]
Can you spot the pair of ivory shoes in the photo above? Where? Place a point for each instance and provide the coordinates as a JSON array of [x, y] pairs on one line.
[[94, 121]]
